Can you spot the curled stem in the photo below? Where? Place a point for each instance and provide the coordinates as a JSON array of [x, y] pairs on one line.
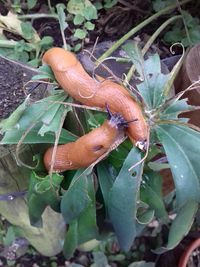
[[139, 27]]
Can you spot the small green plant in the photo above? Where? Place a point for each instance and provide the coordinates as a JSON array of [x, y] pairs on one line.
[[185, 31]]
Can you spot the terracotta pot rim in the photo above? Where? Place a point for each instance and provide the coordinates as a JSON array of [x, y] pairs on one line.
[[188, 252]]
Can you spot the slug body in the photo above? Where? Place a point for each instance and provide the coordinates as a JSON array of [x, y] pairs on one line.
[[87, 149], [76, 82]]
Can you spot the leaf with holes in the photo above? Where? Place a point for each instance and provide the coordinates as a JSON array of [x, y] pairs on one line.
[[122, 202]]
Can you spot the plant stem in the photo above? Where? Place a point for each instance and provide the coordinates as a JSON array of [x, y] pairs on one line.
[[12, 44], [137, 28], [38, 16], [7, 43], [150, 41]]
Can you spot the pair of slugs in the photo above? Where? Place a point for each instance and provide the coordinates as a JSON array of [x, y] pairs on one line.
[[72, 77]]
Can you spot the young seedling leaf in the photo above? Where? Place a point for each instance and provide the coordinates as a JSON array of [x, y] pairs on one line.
[[180, 226], [122, 202], [61, 16], [182, 146]]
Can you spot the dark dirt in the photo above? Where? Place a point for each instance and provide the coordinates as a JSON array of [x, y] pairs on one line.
[[13, 77]]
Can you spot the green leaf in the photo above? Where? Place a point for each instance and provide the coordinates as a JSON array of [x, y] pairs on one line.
[[61, 16], [43, 191], [12, 121], [71, 240], [122, 203], [80, 34], [78, 19], [84, 228], [151, 193], [76, 199], [135, 54], [89, 26], [77, 47], [45, 72], [75, 7], [100, 259], [89, 11], [182, 148], [53, 119], [152, 89], [31, 3], [105, 180], [180, 226], [27, 30], [46, 42], [110, 3], [175, 108], [13, 137]]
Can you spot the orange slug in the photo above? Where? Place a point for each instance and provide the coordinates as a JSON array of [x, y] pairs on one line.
[[72, 77], [88, 148]]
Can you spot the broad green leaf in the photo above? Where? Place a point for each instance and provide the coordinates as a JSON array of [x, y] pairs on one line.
[[105, 180], [175, 108], [83, 228], [152, 195], [39, 110], [152, 89], [152, 65], [71, 240], [135, 54], [180, 226], [43, 192], [122, 203], [76, 199], [13, 137], [182, 146], [53, 119], [12, 121], [117, 156]]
